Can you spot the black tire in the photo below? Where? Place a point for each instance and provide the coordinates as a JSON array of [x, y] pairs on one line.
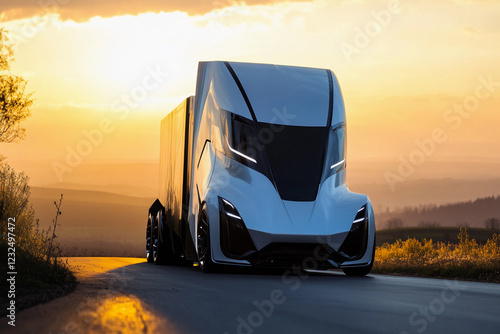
[[163, 252], [159, 255], [361, 271], [203, 238], [149, 237]]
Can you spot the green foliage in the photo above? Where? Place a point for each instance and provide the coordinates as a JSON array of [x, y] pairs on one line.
[[34, 272], [15, 103], [14, 203], [37, 251]]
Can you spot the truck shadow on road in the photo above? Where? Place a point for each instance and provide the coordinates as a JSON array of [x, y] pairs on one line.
[[147, 298]]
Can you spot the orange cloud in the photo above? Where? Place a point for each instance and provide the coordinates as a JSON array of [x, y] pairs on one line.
[[83, 10]]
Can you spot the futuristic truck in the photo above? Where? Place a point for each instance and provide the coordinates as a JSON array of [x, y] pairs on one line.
[[253, 173]]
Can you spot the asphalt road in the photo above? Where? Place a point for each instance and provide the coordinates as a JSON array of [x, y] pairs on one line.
[[130, 296]]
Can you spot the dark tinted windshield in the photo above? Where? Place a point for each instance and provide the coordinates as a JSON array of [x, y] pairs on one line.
[[292, 157], [295, 155]]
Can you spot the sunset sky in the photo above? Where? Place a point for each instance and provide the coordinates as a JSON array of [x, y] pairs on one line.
[[406, 68]]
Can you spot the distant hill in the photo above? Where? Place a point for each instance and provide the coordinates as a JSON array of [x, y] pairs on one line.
[[103, 223], [438, 182], [93, 222], [468, 213], [424, 191]]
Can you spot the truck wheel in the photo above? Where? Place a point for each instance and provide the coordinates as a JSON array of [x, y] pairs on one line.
[[203, 235], [163, 252], [159, 249], [149, 237]]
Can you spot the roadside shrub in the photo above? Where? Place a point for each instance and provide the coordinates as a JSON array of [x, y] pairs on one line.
[[468, 259], [36, 251], [14, 203]]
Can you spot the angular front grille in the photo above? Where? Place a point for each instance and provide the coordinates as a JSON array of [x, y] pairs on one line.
[[281, 254], [296, 157]]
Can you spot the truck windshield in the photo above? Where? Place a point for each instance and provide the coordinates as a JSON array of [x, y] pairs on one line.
[[292, 157]]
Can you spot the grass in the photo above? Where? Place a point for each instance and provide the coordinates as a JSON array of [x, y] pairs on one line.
[[37, 279], [40, 274], [443, 234], [465, 259]]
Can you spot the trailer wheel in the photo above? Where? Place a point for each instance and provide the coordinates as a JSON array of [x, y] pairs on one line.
[[163, 250], [159, 249], [149, 237], [203, 236]]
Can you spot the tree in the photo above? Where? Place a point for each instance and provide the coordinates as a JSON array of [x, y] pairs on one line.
[[15, 103], [14, 107], [492, 223], [429, 224], [394, 223]]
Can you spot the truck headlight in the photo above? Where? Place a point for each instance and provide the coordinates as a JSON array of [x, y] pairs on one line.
[[236, 242], [354, 245]]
